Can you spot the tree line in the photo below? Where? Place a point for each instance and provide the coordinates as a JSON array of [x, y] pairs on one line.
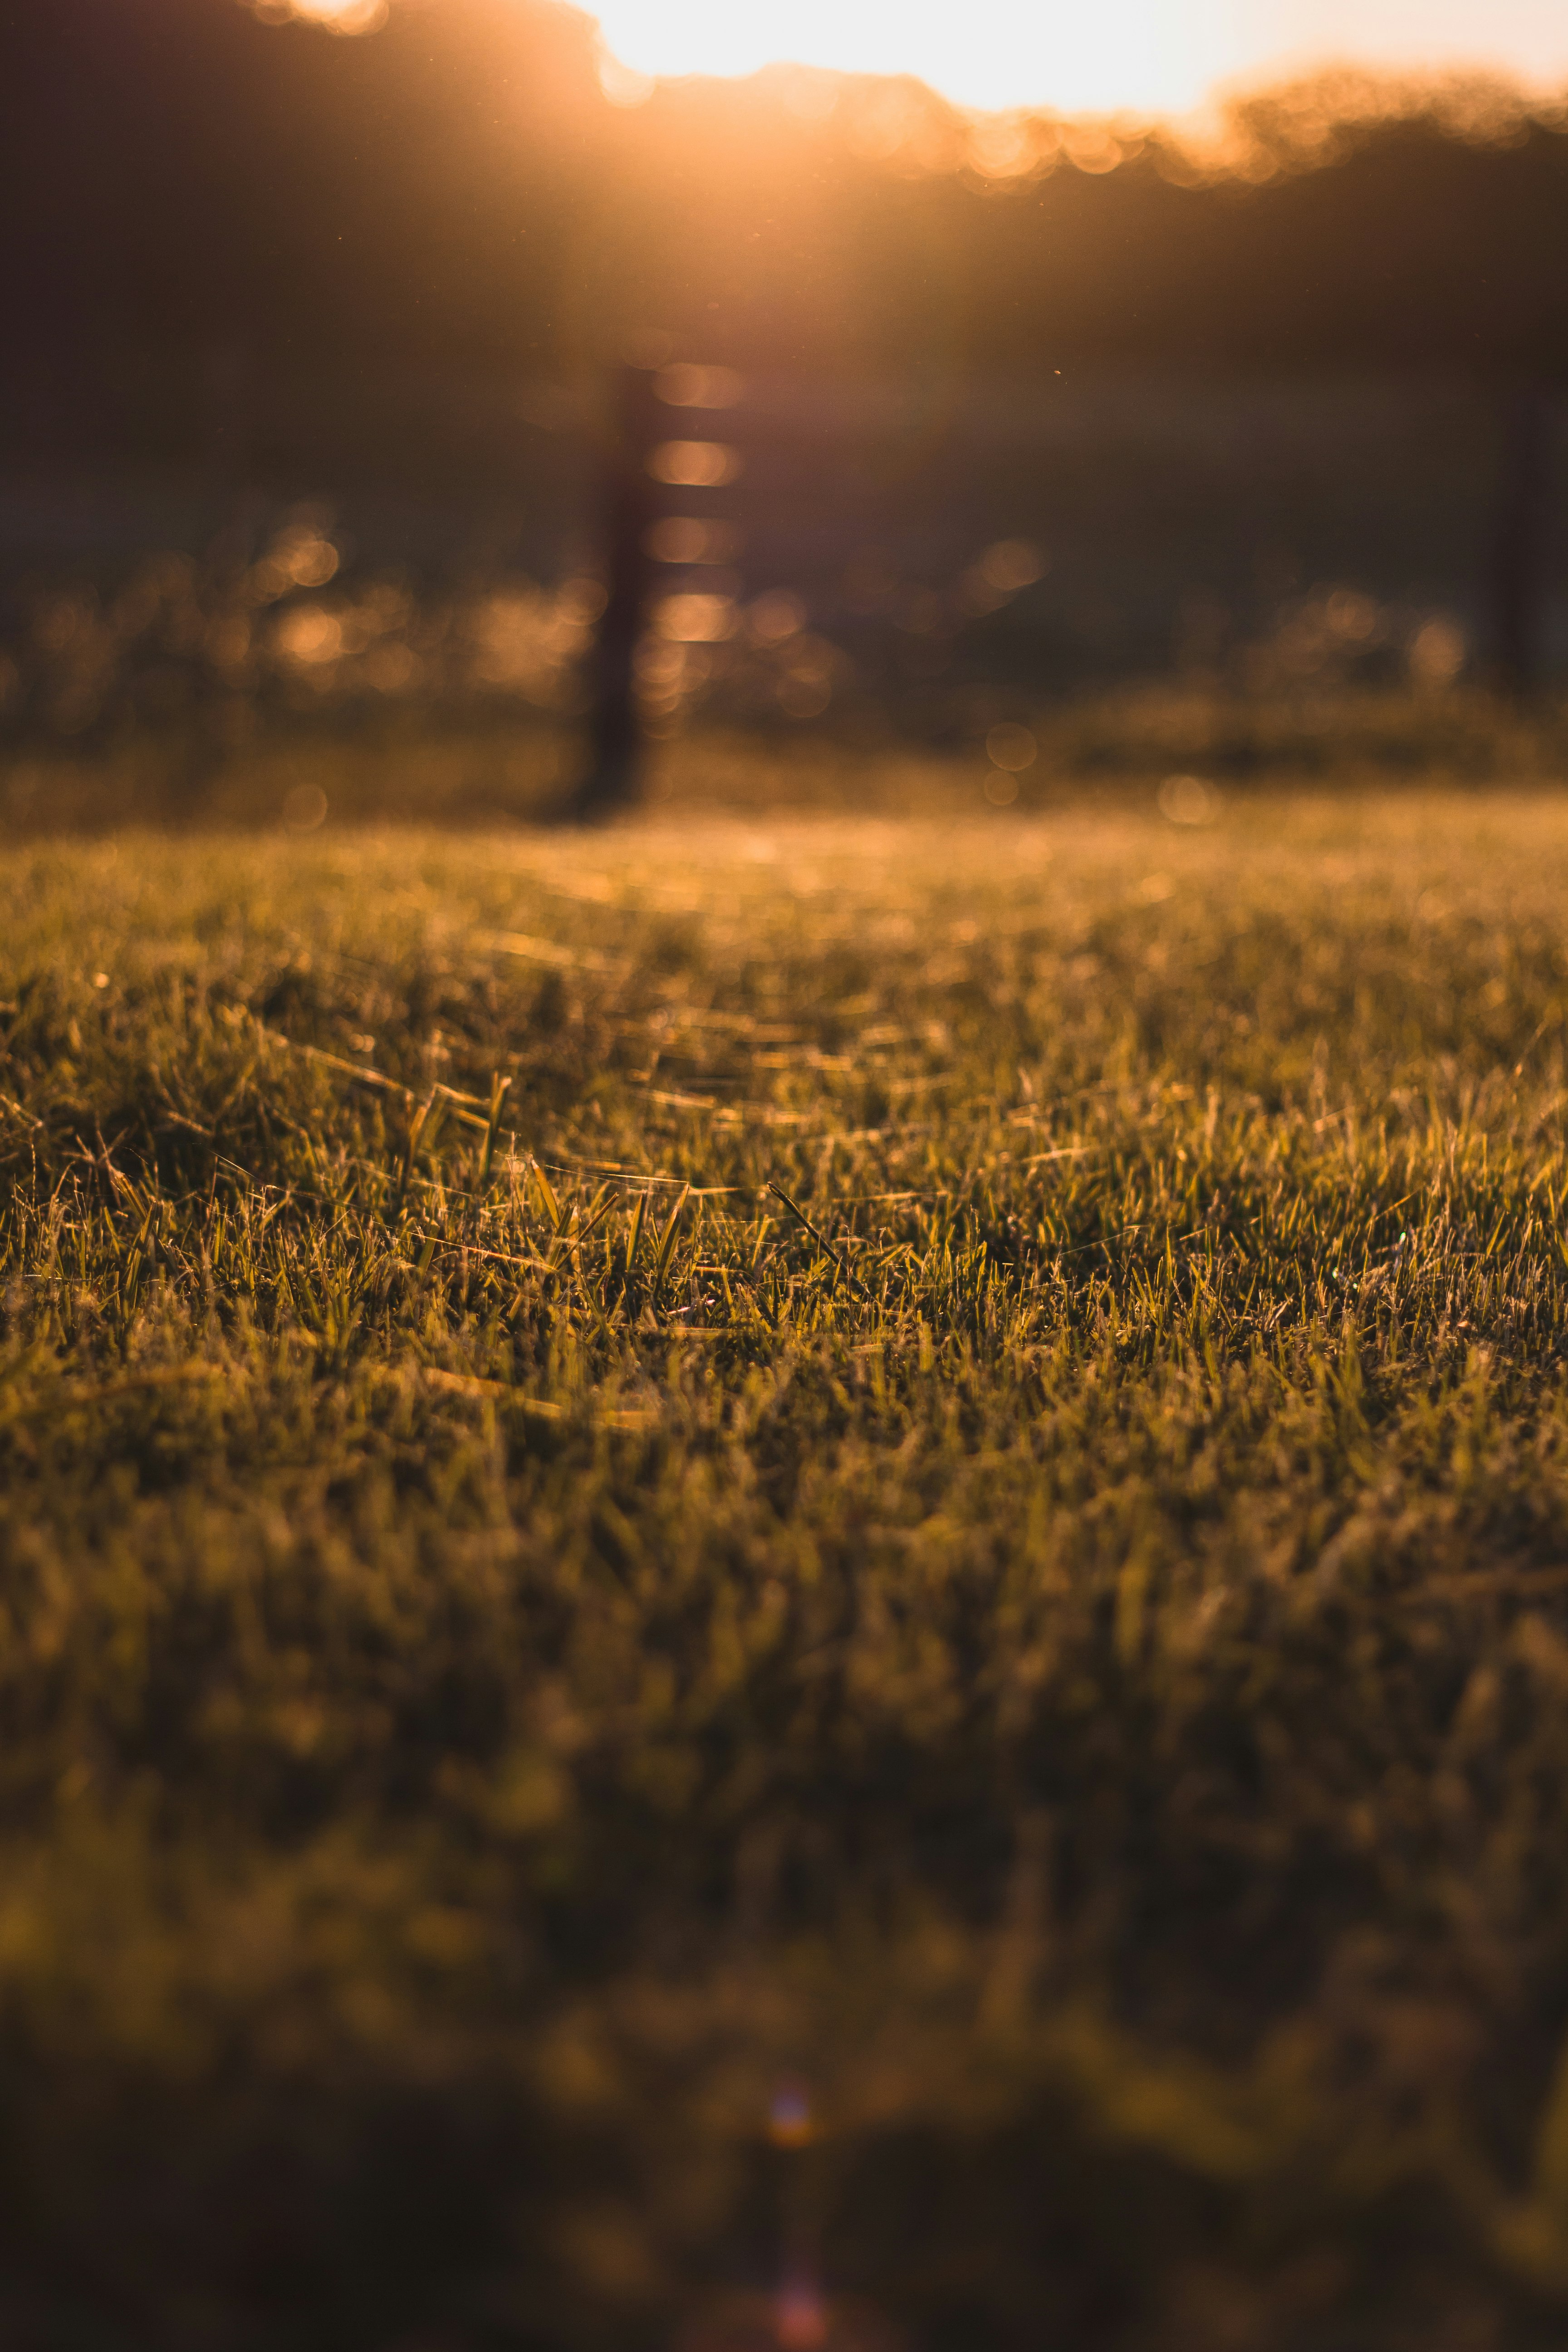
[[455, 190]]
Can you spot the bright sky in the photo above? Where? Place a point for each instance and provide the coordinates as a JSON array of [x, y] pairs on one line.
[[1148, 55]]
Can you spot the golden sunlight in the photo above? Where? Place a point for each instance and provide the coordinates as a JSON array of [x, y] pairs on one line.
[[1135, 56], [336, 16]]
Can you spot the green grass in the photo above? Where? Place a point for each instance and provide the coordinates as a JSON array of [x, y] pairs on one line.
[[930, 1462]]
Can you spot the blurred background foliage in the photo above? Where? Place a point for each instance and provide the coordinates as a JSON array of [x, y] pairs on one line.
[[197, 179], [303, 429]]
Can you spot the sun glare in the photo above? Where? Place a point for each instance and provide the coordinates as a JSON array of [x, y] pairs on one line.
[[1060, 56], [336, 16], [1156, 57], [1154, 54]]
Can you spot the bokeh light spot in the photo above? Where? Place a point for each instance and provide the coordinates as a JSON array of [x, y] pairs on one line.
[[1013, 564], [1438, 652], [696, 619], [1188, 800], [684, 384], [1011, 747], [776, 615], [305, 808], [789, 2115], [685, 539], [695, 465]]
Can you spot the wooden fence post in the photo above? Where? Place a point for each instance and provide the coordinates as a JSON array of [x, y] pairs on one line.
[[614, 769]]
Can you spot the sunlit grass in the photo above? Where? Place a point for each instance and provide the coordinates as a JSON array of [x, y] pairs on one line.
[[926, 1463]]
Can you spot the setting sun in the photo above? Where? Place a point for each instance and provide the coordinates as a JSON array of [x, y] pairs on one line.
[[1146, 55]]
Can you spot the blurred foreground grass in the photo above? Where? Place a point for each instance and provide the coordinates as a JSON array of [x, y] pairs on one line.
[[466, 769], [911, 1480]]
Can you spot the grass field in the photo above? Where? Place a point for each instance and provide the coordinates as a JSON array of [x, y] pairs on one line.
[[788, 1584]]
